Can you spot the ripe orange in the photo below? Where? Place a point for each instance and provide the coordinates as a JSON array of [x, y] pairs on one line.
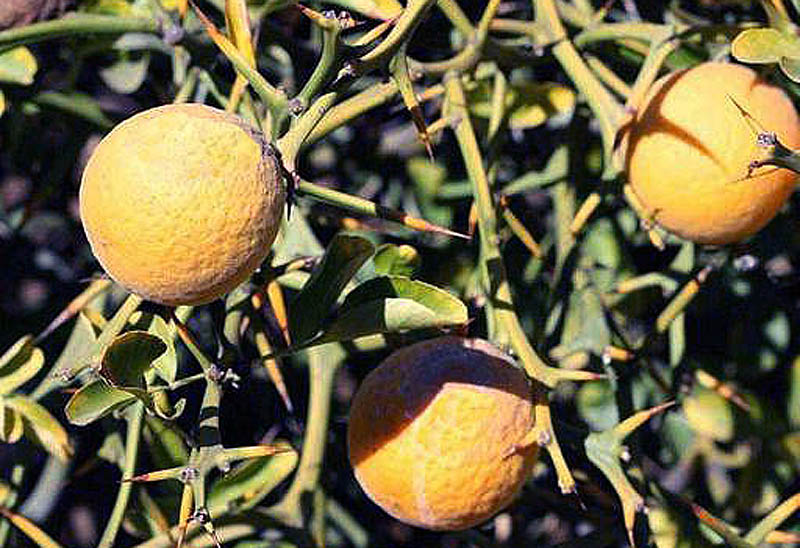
[[181, 203], [690, 147], [430, 431]]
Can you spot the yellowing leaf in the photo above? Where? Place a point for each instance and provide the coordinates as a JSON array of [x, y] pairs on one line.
[[18, 66], [709, 414], [528, 104], [764, 46]]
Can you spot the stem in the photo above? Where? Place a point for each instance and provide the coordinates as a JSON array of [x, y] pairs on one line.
[[608, 111], [323, 362], [113, 328], [471, 54], [79, 24], [329, 62], [501, 309], [131, 452], [294, 139], [406, 25]]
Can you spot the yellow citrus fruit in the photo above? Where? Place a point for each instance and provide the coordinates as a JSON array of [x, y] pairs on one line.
[[181, 203], [432, 430], [690, 148]]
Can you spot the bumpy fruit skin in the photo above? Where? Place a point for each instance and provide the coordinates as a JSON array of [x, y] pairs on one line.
[[430, 430], [690, 147], [181, 203]]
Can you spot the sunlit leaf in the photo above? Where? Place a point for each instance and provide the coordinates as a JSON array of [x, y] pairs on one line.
[[394, 304], [95, 400], [40, 426], [11, 425], [529, 104], [398, 260], [126, 75], [764, 46], [791, 68], [18, 66], [709, 414], [19, 364]]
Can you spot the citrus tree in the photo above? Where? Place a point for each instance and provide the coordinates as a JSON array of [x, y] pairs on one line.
[[399, 273]]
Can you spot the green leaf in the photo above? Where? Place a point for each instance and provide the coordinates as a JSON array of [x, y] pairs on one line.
[[399, 260], [113, 449], [129, 356], [80, 344], [18, 66], [167, 364], [19, 364], [126, 75], [794, 394], [94, 401], [791, 68], [40, 426], [344, 256], [764, 46], [248, 483], [528, 104], [75, 103], [393, 304]]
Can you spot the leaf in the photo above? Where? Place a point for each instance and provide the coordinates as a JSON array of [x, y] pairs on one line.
[[248, 483], [794, 395], [709, 414], [528, 104], [129, 356], [11, 425], [18, 66], [94, 401], [40, 426], [19, 364], [765, 45], [393, 304], [344, 256], [398, 260], [81, 342], [75, 103], [791, 68], [126, 75], [113, 449], [167, 364]]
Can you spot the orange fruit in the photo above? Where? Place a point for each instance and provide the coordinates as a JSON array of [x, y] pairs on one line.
[[431, 431], [690, 148], [181, 203]]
